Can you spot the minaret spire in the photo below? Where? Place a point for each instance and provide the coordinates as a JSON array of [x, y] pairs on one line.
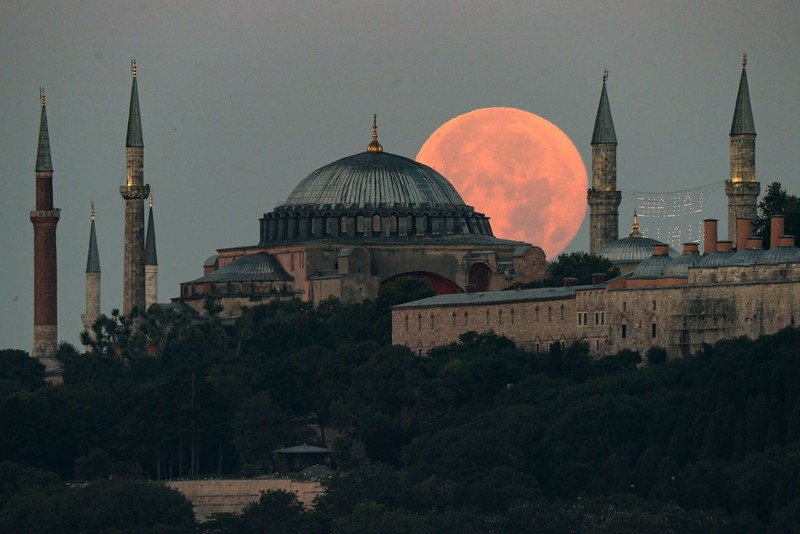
[[742, 188], [604, 198], [92, 280], [45, 267], [374, 146], [134, 192], [150, 261]]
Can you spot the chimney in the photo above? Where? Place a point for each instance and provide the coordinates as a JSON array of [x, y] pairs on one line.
[[744, 227], [724, 246], [690, 249], [775, 230], [786, 241], [660, 250], [598, 278], [570, 281], [710, 238], [755, 243]]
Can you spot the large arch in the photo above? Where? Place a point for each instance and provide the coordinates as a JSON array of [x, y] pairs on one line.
[[440, 284], [479, 277]]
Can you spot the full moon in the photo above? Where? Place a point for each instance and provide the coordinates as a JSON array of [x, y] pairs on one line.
[[519, 169]]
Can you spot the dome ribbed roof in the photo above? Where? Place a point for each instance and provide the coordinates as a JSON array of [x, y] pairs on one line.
[[374, 178], [717, 259], [680, 266], [777, 255], [749, 256], [631, 249], [652, 267]]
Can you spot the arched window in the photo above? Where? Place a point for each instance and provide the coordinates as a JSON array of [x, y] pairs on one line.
[[376, 224]]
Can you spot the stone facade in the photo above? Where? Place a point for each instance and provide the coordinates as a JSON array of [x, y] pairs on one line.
[[678, 313]]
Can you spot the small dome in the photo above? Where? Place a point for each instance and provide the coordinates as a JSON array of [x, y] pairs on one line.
[[777, 255], [652, 267], [717, 259], [750, 256], [211, 261], [374, 178], [631, 249], [679, 267]]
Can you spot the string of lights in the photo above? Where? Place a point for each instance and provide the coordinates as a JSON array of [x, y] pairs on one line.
[[673, 217]]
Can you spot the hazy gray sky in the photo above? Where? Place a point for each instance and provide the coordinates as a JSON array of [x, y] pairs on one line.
[[241, 100]]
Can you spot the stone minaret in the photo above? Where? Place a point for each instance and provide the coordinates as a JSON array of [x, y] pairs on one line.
[[134, 192], [92, 281], [742, 188], [45, 269], [604, 199], [150, 261]]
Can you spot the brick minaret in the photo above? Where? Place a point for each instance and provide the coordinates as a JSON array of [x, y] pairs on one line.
[[604, 199], [92, 281], [134, 192], [150, 261], [742, 188], [44, 218]]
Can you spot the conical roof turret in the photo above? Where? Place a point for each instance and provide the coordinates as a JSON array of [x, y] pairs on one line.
[[603, 124], [743, 115], [134, 138], [150, 257], [43, 161], [93, 259]]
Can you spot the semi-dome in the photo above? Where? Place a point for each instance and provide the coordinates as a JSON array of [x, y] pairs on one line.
[[374, 178]]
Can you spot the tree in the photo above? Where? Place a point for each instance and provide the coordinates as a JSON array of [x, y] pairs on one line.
[[776, 201], [18, 371]]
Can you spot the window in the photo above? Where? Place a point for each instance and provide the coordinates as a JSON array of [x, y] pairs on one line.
[[583, 318], [454, 318], [599, 318], [550, 313], [432, 327], [406, 323], [653, 330], [536, 313], [654, 305], [419, 322], [580, 319], [499, 316], [562, 312], [624, 331], [512, 315], [466, 315], [487, 316], [624, 306]]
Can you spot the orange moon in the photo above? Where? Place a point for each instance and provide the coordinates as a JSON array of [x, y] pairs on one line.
[[519, 169]]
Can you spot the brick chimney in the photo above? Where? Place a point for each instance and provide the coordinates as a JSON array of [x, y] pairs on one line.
[[724, 246], [755, 243], [598, 278], [776, 227], [570, 281], [786, 241], [744, 228], [690, 249], [661, 250], [710, 237]]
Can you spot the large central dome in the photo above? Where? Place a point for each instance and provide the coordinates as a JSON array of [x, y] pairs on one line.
[[374, 179]]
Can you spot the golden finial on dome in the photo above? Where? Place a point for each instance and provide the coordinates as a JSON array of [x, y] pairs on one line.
[[744, 60], [92, 209], [151, 198], [605, 75], [635, 225], [133, 67], [42, 95], [374, 146]]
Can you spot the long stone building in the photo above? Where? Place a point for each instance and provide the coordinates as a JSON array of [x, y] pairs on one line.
[[678, 302]]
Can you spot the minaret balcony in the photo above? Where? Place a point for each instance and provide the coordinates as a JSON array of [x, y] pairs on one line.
[[46, 214], [134, 192]]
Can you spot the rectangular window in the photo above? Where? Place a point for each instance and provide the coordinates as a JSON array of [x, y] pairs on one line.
[[580, 319], [624, 306], [624, 331], [653, 330], [654, 305], [602, 318]]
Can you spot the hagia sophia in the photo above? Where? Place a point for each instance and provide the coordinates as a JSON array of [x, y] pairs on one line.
[[373, 217]]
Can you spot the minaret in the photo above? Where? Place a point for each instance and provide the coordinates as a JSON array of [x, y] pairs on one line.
[[604, 199], [134, 192], [150, 262], [742, 188], [92, 281], [45, 269]]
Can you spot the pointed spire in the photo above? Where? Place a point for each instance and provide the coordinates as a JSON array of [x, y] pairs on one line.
[[93, 259], [743, 115], [43, 161], [150, 257], [134, 138], [604, 125], [374, 146]]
